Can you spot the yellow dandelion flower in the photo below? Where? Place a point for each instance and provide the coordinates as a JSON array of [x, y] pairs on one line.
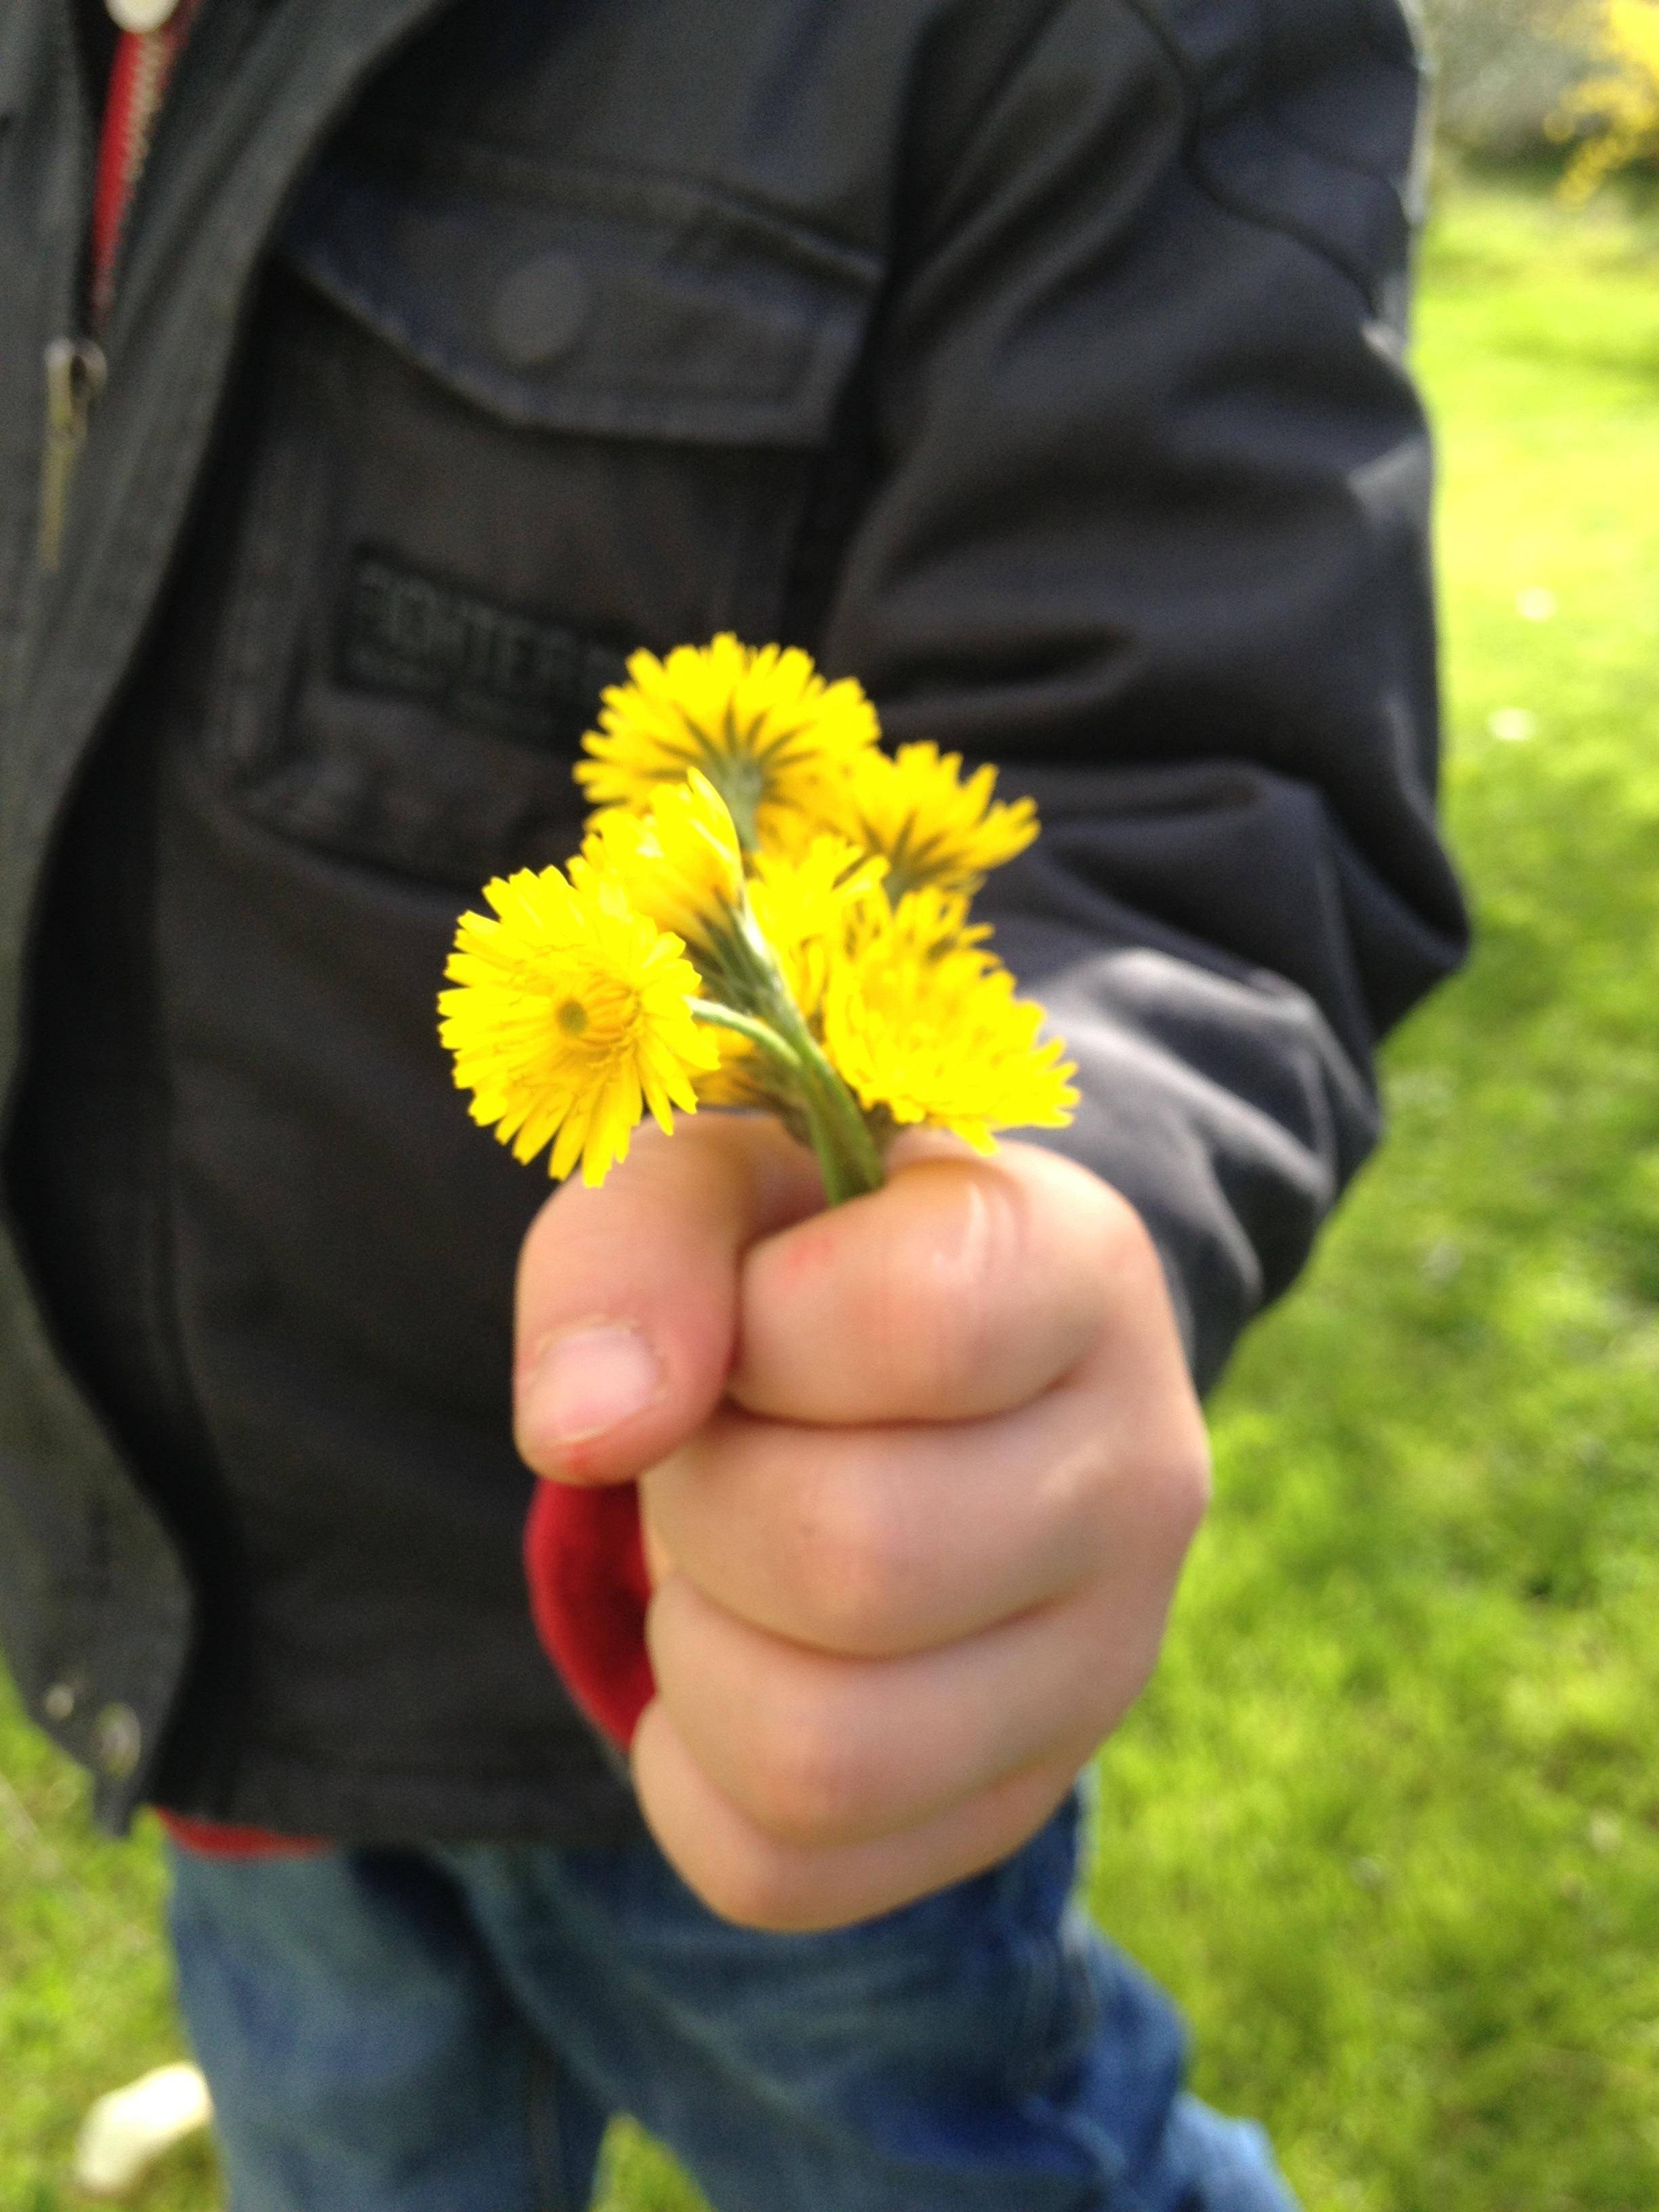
[[930, 824], [795, 902], [679, 861], [760, 722], [811, 893], [570, 1020], [929, 922], [745, 1078], [926, 1034]]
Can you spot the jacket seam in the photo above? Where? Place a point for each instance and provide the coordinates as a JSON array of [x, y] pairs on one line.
[[1014, 62], [1288, 132], [632, 191], [1234, 203]]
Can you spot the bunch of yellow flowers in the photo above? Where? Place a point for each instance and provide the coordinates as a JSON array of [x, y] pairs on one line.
[[768, 911]]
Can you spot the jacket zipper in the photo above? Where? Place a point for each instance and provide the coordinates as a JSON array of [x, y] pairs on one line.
[[76, 370], [76, 373]]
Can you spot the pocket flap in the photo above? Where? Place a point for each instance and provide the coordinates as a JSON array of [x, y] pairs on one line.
[[569, 300]]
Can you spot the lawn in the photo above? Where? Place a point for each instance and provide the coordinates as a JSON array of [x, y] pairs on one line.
[[1388, 1821]]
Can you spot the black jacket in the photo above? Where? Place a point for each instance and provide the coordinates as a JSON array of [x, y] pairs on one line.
[[1038, 360]]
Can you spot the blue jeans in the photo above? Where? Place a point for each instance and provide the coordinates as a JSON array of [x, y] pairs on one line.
[[447, 2029]]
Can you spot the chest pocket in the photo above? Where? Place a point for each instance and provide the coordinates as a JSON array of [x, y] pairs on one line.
[[511, 421]]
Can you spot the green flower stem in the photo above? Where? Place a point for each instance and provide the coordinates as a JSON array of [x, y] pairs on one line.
[[847, 1159], [847, 1154], [758, 1032]]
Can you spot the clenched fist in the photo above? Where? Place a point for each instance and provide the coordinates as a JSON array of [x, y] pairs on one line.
[[917, 1477]]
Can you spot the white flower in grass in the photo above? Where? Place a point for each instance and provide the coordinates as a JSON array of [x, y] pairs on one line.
[[125, 2132], [1513, 725]]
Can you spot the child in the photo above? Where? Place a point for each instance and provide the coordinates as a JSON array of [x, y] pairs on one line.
[[1039, 362]]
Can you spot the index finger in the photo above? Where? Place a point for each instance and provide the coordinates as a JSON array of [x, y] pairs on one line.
[[964, 1287]]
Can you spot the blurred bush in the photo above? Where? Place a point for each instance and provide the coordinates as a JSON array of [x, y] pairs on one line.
[[1614, 113], [1505, 68], [1515, 77]]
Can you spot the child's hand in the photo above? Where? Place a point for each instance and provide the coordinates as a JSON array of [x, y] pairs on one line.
[[918, 1476]]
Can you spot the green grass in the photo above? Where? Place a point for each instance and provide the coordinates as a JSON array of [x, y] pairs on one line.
[[1388, 1821]]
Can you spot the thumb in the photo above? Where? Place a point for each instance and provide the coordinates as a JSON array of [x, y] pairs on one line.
[[627, 1311]]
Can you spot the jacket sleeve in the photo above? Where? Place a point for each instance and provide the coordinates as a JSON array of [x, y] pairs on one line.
[[1149, 528]]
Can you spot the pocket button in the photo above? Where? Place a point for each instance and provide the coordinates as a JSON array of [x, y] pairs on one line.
[[60, 1703], [117, 1741], [540, 311]]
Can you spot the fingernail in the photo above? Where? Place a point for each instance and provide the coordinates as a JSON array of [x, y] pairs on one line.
[[590, 1380]]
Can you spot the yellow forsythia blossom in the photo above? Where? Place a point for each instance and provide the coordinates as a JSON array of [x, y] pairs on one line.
[[760, 724], [570, 1018], [1619, 103], [930, 1031], [929, 824]]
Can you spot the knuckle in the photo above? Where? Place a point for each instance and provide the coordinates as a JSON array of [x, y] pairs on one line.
[[1184, 1481], [930, 1320], [987, 1248], [860, 1573], [803, 1784], [911, 1328]]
